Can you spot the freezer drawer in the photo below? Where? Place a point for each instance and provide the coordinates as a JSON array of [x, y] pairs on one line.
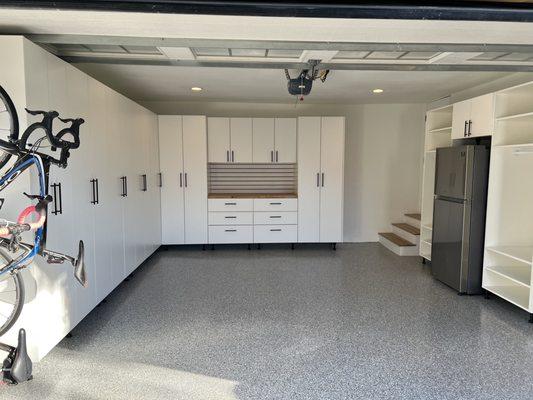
[[275, 234], [231, 234], [447, 242]]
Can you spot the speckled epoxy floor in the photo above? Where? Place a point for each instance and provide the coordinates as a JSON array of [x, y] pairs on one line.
[[358, 323]]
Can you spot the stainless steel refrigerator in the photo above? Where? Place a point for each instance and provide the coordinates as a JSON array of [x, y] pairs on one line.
[[461, 179]]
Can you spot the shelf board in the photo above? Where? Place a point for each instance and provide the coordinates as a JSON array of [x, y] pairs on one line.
[[440, 130], [428, 227], [519, 297], [528, 115], [511, 146], [434, 151], [426, 242], [518, 274], [523, 254]]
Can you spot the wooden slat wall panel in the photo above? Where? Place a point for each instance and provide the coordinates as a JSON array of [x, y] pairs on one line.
[[252, 178]]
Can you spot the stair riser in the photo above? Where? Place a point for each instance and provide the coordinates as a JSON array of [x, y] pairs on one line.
[[399, 250], [415, 239], [412, 221]]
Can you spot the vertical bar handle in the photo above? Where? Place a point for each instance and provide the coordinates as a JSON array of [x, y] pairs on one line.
[[160, 179], [271, 155], [322, 179], [54, 186], [181, 179], [232, 156], [317, 179], [93, 186], [227, 155], [60, 199], [97, 191], [145, 183], [185, 179], [464, 130], [276, 156], [469, 127]]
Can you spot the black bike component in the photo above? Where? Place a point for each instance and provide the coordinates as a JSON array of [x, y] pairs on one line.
[[13, 131], [18, 366], [79, 265]]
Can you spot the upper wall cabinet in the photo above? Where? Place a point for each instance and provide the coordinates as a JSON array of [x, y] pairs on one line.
[[274, 140], [473, 117], [229, 140]]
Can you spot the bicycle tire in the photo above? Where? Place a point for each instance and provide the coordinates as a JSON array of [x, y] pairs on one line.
[[20, 294], [13, 133]]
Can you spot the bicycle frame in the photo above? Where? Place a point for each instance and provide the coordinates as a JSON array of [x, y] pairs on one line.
[[40, 234]]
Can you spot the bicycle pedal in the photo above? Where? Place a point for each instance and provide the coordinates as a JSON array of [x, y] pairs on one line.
[[54, 260]]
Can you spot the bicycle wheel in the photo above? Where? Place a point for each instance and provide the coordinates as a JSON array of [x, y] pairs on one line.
[[9, 123], [11, 296]]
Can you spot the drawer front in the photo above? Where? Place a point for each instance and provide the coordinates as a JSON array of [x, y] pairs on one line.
[[275, 233], [231, 205], [231, 234], [275, 204], [276, 218], [227, 218]]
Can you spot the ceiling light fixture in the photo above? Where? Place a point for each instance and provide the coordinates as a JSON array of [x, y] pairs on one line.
[[196, 89], [377, 91]]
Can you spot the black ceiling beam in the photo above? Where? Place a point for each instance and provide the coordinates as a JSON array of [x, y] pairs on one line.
[[515, 11]]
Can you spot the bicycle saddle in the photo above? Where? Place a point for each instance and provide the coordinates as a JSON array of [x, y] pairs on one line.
[[18, 365]]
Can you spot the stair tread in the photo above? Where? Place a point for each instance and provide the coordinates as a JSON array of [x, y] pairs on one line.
[[416, 216], [397, 240], [413, 230]]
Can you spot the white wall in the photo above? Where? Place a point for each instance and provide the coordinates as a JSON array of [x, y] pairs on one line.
[[384, 145]]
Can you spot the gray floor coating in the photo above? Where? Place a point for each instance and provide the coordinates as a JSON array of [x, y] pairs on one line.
[[358, 323]]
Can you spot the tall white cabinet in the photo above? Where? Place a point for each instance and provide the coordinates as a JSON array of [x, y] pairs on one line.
[[320, 179], [183, 163], [119, 139]]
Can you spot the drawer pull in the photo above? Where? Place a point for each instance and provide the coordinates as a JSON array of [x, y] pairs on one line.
[[275, 204], [231, 216], [230, 204], [230, 230], [275, 230], [275, 216]]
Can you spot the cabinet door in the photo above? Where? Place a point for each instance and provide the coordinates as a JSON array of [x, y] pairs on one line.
[[241, 140], [460, 117], [218, 146], [171, 162], [195, 179], [332, 179], [308, 179], [482, 115], [285, 140], [263, 140]]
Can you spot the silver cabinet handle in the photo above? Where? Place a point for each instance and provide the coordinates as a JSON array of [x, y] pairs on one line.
[[317, 179], [276, 156], [275, 216], [232, 156], [275, 204], [464, 130], [231, 217], [181, 179], [230, 230], [322, 179], [469, 127], [275, 230], [230, 204], [185, 179]]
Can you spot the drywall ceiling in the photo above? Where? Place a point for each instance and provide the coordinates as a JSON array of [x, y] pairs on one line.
[[172, 83]]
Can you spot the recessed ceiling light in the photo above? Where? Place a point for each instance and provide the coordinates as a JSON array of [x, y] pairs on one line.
[[196, 89], [377, 91]]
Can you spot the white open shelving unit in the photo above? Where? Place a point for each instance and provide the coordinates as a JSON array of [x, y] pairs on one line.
[[438, 134], [509, 230]]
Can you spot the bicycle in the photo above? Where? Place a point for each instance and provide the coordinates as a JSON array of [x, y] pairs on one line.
[[15, 254]]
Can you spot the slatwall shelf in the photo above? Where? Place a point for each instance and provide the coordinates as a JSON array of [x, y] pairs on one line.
[[252, 178]]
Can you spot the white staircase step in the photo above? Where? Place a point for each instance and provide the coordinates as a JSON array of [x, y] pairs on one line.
[[413, 219], [397, 244], [407, 232]]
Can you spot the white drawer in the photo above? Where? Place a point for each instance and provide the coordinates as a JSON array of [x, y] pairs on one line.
[[275, 204], [231, 234], [275, 233], [230, 205], [226, 218], [276, 218]]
